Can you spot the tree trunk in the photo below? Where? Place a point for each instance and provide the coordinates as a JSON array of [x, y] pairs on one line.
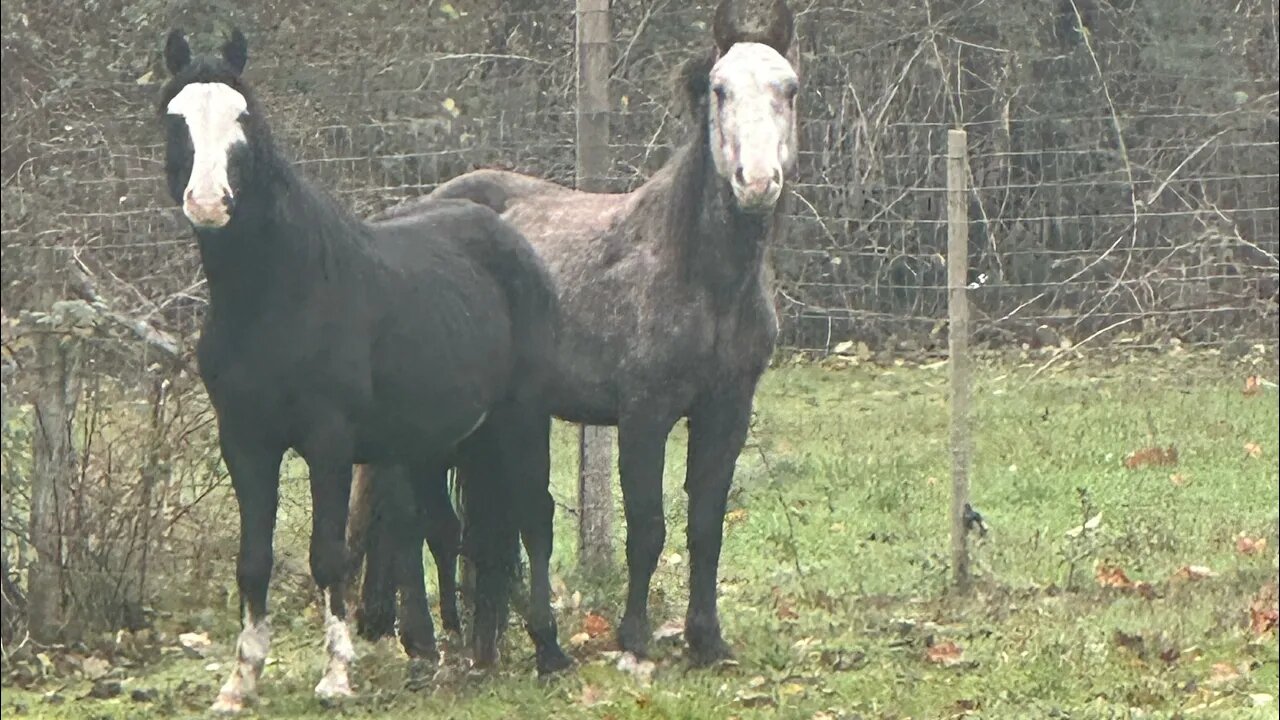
[[53, 464]]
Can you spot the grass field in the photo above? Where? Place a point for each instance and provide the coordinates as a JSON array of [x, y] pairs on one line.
[[834, 575]]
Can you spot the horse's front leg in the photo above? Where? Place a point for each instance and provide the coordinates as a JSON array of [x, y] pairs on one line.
[[642, 442], [717, 432], [329, 458], [255, 477]]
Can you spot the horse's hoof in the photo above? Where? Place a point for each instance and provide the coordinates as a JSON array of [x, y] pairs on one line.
[[710, 652], [420, 675], [553, 661], [633, 637]]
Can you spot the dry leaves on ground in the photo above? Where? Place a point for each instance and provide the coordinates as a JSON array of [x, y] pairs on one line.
[[1253, 450], [1264, 611], [1152, 457], [1246, 545], [1251, 386], [945, 654], [1193, 572], [1113, 576], [595, 625]]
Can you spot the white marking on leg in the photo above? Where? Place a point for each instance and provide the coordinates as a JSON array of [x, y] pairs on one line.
[[251, 654], [337, 643]]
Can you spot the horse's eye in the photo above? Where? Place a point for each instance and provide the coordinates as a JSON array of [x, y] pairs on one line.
[[719, 91], [791, 91]]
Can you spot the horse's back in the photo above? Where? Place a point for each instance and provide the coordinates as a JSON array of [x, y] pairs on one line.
[[483, 244]]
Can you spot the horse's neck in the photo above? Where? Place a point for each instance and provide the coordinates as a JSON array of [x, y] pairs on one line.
[[265, 256], [725, 248]]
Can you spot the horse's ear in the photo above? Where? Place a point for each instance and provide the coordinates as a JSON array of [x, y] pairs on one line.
[[177, 53], [724, 27], [729, 27], [236, 51], [782, 26]]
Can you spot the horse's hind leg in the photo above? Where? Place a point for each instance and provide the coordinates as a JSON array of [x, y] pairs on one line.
[[417, 633], [444, 534], [717, 432], [255, 477], [527, 455], [491, 533], [387, 500]]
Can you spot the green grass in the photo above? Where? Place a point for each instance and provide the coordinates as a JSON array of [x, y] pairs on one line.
[[834, 577]]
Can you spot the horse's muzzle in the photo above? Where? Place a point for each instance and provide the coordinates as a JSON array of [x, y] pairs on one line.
[[205, 212]]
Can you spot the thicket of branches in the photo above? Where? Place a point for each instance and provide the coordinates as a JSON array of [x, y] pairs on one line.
[[1123, 154]]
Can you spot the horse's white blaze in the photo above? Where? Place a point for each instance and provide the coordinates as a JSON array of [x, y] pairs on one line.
[[212, 112], [251, 654], [753, 130], [337, 642]]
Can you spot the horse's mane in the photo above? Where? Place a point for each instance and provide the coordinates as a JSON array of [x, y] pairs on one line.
[[690, 164]]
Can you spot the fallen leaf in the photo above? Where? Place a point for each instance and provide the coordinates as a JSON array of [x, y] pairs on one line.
[[823, 715], [1151, 457], [1089, 525], [595, 625], [1246, 545], [670, 630], [945, 654], [1113, 577], [194, 644], [782, 606], [1264, 611], [1260, 699], [579, 639], [1253, 449], [1193, 572], [1252, 386], [1223, 674], [94, 668], [733, 517], [1178, 479]]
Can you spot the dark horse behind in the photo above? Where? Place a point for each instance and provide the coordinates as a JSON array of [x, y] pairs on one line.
[[668, 313], [417, 343]]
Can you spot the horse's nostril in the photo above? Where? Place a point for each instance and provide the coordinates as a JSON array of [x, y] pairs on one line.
[[228, 201], [777, 176], [739, 176]]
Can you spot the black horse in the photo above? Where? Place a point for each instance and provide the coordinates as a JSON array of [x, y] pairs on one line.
[[668, 312], [419, 343]]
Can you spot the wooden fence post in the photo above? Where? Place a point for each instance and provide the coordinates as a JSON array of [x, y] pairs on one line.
[[958, 311], [595, 447]]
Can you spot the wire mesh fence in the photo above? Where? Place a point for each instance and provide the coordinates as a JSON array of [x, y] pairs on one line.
[[1123, 157]]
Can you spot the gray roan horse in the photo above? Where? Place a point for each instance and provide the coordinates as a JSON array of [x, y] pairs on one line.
[[419, 343], [667, 309]]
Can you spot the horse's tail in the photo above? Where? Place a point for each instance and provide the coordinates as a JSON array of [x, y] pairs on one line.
[[533, 305]]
